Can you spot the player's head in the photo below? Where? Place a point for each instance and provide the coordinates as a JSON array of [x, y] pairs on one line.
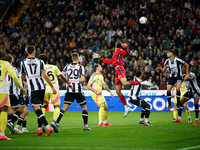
[[122, 46], [75, 57], [31, 50], [183, 69], [170, 53], [9, 58], [139, 74], [44, 58], [97, 67]]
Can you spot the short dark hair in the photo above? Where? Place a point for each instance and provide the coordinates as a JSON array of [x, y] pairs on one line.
[[96, 66], [30, 49], [8, 58], [138, 73], [75, 56], [121, 47], [43, 57]]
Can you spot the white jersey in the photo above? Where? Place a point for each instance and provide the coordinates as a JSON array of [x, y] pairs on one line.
[[136, 90], [192, 85], [32, 68], [73, 72], [13, 89], [175, 67]]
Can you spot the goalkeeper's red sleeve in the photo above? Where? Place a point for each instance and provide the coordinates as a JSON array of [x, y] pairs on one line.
[[135, 82], [106, 61]]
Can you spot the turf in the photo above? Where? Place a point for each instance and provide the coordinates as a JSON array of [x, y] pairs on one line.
[[125, 134]]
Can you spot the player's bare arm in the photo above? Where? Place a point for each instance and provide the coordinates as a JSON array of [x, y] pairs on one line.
[[48, 81], [107, 89]]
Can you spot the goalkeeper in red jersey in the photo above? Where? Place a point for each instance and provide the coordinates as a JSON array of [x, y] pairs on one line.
[[117, 62]]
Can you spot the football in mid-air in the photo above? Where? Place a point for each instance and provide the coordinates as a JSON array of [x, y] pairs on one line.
[[143, 20]]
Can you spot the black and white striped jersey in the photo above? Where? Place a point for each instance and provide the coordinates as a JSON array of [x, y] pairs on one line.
[[136, 90], [32, 68], [73, 72], [192, 85], [175, 67], [13, 89]]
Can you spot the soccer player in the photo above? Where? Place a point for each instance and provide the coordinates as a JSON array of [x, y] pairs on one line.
[[175, 113], [95, 84], [25, 101], [6, 68], [33, 69], [193, 91], [76, 74], [136, 100], [15, 102], [53, 72], [174, 65], [117, 62]]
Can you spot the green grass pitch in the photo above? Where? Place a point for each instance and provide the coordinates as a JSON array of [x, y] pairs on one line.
[[125, 134]]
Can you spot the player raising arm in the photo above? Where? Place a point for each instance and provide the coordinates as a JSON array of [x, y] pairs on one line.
[[117, 62], [95, 84]]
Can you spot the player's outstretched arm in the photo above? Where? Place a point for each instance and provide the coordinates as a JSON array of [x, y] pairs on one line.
[[48, 81], [106, 61]]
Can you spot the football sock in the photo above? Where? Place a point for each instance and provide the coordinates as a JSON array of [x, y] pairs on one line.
[[41, 118], [188, 113], [142, 113], [85, 116], [24, 123], [56, 113], [178, 94], [169, 96], [10, 116], [196, 111], [20, 120], [43, 110], [101, 113], [147, 113], [16, 116], [3, 121], [180, 111], [175, 114], [122, 98], [60, 115], [105, 115]]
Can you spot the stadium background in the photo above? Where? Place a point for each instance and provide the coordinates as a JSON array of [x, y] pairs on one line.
[[59, 27]]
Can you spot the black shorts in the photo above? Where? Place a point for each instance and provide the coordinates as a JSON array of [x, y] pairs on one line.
[[70, 97], [190, 94], [37, 97], [15, 101], [173, 80], [139, 102], [24, 100]]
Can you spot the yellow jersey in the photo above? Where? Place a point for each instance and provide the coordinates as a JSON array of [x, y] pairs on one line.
[[97, 81], [6, 68], [52, 71], [183, 88]]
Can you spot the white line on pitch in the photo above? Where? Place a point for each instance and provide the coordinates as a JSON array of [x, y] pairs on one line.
[[81, 148], [193, 147]]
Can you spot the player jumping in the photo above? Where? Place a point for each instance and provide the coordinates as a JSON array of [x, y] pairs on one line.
[[117, 62]]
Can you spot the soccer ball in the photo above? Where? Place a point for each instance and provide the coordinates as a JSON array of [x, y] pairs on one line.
[[143, 20]]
